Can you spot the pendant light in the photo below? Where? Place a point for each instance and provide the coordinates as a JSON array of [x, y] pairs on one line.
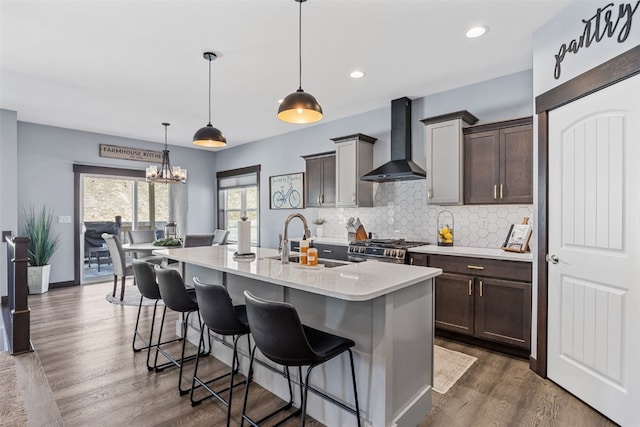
[[209, 136], [299, 106], [166, 174]]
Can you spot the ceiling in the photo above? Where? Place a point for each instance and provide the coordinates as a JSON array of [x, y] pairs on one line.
[[123, 67]]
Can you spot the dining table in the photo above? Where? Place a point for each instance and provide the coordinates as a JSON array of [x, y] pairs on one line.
[[146, 247]]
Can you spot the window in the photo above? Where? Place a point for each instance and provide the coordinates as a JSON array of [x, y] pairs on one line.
[[238, 196]]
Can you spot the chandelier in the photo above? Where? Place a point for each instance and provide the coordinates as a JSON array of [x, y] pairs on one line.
[[166, 174]]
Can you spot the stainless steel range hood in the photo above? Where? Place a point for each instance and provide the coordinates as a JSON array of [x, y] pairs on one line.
[[401, 167]]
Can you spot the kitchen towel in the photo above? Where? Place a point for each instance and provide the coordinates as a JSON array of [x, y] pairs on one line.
[[244, 237]]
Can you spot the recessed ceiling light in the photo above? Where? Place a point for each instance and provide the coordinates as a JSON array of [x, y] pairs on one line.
[[280, 100], [357, 74], [474, 32]]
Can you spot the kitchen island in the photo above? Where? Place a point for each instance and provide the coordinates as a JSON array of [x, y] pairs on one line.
[[387, 309]]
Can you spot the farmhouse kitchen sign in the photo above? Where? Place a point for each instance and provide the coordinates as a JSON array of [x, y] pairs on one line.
[[607, 22], [126, 153]]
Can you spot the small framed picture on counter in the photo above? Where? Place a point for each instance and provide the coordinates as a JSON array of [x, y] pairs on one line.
[[287, 191]]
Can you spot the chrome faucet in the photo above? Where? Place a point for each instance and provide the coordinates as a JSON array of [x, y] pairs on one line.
[[285, 235]]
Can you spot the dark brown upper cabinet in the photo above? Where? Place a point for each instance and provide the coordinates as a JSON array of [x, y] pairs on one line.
[[320, 181], [498, 162]]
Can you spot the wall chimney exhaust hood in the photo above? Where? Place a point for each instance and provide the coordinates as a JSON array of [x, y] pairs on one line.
[[400, 168]]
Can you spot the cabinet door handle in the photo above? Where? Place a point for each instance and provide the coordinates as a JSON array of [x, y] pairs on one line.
[[353, 198], [430, 194], [481, 287], [501, 187], [495, 191], [411, 261], [327, 251], [322, 198], [475, 267], [318, 199], [470, 287]]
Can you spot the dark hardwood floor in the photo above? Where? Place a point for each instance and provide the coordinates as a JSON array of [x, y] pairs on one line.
[[84, 346]]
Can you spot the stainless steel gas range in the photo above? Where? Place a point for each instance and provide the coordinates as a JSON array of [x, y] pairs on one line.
[[387, 250]]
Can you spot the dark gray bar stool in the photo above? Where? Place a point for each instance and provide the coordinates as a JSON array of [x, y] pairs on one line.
[[145, 278], [177, 298], [220, 316], [283, 339]]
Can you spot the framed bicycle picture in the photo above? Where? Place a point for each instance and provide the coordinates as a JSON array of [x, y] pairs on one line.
[[287, 191]]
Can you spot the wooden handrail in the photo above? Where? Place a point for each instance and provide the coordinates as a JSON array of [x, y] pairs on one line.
[[16, 313]]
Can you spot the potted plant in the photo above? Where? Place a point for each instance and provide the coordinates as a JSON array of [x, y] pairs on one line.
[[43, 242], [319, 226]]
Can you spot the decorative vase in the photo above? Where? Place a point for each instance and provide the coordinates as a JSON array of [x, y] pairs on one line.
[[319, 231], [38, 279]]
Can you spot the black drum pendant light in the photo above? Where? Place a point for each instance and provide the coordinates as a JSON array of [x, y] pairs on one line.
[[299, 106], [209, 136]]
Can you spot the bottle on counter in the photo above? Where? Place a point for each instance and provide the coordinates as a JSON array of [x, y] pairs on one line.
[[304, 247], [312, 255]]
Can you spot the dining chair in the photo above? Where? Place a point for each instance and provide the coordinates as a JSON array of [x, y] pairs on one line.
[[220, 237], [120, 268], [143, 236], [194, 240]]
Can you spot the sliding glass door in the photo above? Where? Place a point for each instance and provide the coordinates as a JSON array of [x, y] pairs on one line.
[[116, 204]]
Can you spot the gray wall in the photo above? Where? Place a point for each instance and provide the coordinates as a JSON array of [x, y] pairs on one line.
[[506, 97], [568, 26], [547, 40], [8, 189], [46, 156]]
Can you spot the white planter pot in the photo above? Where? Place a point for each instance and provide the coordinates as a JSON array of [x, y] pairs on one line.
[[38, 279], [319, 231]]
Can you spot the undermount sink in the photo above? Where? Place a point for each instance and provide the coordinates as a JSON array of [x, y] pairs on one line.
[[328, 263]]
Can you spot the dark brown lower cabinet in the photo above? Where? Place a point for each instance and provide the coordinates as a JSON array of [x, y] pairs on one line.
[[503, 311], [454, 303], [486, 299], [328, 251]]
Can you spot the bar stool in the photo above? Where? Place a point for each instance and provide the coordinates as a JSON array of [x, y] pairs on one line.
[[179, 299], [223, 318], [282, 338], [145, 278]]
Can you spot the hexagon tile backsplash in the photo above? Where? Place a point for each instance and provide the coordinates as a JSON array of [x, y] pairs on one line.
[[401, 211]]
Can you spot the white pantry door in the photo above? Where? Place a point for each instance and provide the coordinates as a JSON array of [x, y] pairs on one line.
[[594, 250]]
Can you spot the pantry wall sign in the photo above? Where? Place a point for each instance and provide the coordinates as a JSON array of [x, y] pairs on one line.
[[608, 22], [128, 153]]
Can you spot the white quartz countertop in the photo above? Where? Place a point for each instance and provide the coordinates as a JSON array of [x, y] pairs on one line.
[[473, 252], [353, 281]]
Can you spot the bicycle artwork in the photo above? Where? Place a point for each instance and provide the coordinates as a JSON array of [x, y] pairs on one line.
[[287, 191]]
